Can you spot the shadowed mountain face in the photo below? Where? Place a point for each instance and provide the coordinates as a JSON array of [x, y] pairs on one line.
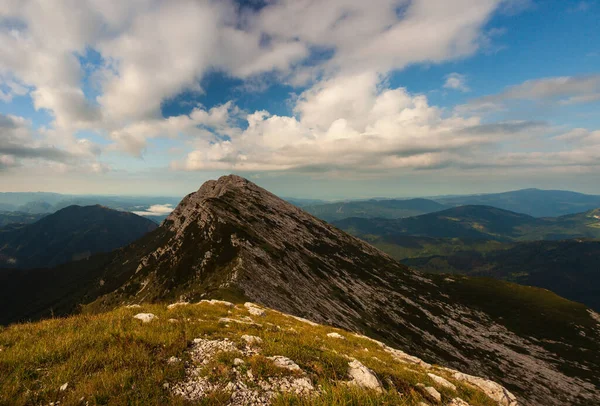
[[534, 202], [569, 268], [16, 219], [70, 234], [391, 208], [233, 239], [478, 223]]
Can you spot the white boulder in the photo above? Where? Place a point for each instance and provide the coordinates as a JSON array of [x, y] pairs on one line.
[[145, 317]]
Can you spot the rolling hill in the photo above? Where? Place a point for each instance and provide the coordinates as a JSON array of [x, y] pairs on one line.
[[569, 268], [477, 223], [389, 208], [69, 234], [233, 240], [534, 202]]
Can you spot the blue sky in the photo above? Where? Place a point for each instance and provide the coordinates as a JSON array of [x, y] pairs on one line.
[[336, 99]]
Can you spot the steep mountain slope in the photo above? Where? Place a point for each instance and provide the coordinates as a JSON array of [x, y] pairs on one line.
[[391, 208], [232, 239], [477, 223], [569, 268], [534, 202], [70, 234]]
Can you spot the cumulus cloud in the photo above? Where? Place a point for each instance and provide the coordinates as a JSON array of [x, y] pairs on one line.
[[456, 81], [352, 123], [339, 51], [17, 143], [153, 50]]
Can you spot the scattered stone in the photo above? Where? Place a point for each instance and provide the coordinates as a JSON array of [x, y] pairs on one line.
[[284, 362], [173, 321], [230, 320], [217, 302], [252, 340], [173, 360], [441, 381], [311, 323], [336, 335], [259, 392], [254, 309], [431, 391], [145, 317], [133, 306], [64, 387], [492, 389], [363, 376], [398, 355], [458, 402], [174, 305]]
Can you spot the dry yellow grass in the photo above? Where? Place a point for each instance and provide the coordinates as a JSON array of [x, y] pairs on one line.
[[112, 358]]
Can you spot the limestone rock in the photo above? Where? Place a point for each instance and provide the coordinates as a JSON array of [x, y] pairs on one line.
[[336, 335], [458, 402], [145, 317], [431, 391], [442, 381], [363, 376], [254, 310], [284, 362], [251, 340], [492, 389], [217, 302], [174, 305]]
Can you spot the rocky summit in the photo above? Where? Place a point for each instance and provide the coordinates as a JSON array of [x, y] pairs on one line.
[[233, 240]]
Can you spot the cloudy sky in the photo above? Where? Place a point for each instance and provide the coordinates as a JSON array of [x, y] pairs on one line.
[[310, 98]]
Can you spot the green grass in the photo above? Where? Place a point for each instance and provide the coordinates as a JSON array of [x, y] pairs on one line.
[[111, 358]]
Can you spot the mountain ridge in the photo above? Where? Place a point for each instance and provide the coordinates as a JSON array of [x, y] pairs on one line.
[[478, 222], [233, 239], [69, 234]]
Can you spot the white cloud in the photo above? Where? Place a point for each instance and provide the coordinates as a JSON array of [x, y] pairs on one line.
[[156, 210], [346, 119], [563, 90], [352, 123], [18, 144], [456, 81]]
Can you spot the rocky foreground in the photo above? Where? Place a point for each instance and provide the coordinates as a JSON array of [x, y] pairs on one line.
[[215, 352]]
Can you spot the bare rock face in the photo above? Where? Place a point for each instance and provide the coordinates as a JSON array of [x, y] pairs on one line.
[[234, 237]]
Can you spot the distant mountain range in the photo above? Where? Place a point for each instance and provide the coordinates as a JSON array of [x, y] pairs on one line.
[[17, 218], [47, 203], [233, 240], [388, 208], [69, 234], [487, 241], [477, 223], [534, 202]]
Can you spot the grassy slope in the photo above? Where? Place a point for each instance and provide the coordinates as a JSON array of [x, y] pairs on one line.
[[111, 358], [569, 268]]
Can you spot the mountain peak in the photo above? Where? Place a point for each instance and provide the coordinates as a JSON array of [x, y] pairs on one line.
[[232, 240]]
